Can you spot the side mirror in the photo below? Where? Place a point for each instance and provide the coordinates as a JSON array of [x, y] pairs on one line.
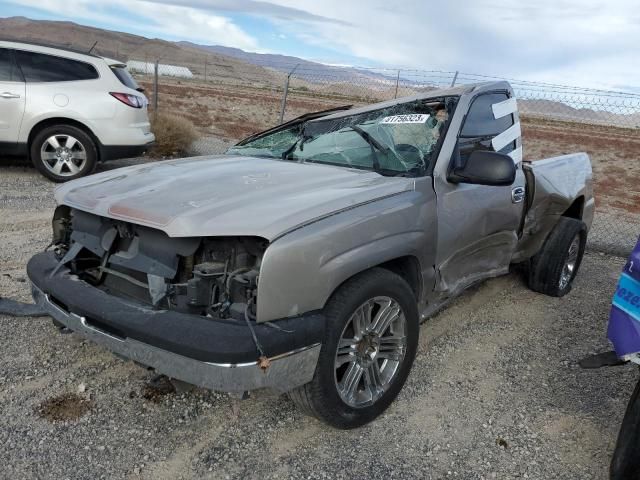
[[485, 168]]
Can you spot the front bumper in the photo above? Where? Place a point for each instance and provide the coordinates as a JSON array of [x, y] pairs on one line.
[[212, 353]]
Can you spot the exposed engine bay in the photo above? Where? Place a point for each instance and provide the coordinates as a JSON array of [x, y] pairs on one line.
[[209, 277]]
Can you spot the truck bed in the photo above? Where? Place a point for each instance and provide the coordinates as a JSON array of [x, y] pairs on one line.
[[556, 186]]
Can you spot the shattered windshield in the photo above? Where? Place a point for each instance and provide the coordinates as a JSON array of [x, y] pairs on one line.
[[397, 140]]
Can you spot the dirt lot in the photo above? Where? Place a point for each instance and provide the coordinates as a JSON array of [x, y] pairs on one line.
[[495, 392]]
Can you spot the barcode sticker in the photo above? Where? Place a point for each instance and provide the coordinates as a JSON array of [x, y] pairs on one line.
[[412, 118]]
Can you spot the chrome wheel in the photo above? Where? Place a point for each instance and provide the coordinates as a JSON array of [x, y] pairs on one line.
[[569, 268], [370, 351], [63, 155]]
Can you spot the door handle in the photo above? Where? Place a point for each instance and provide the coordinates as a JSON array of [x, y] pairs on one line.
[[9, 95], [517, 194]]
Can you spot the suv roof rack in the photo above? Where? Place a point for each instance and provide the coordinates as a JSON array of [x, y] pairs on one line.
[[54, 46]]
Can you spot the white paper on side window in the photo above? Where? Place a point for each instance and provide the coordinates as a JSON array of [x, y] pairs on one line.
[[516, 155], [411, 118], [505, 138], [502, 109]]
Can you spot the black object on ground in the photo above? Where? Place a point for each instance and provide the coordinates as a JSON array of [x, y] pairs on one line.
[[604, 359], [19, 309]]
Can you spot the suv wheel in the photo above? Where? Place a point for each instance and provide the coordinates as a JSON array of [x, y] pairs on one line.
[[370, 342], [63, 152]]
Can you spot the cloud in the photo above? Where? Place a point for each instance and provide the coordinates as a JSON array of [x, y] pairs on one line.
[[166, 21], [560, 41], [564, 40], [255, 7], [192, 24]]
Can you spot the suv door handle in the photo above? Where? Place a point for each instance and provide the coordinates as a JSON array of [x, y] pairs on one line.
[[9, 95]]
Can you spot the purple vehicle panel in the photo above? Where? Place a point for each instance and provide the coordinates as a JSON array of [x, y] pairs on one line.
[[624, 320]]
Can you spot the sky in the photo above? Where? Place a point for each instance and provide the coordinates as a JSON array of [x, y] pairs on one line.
[[587, 43]]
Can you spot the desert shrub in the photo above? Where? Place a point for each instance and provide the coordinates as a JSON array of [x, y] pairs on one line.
[[174, 134]]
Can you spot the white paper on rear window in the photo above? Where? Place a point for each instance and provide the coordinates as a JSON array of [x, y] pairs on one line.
[[411, 118]]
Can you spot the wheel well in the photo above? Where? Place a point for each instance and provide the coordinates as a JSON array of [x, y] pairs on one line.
[[575, 209], [38, 127], [407, 267]]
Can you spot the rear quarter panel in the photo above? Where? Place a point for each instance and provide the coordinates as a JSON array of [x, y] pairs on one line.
[[89, 103], [559, 181], [80, 101]]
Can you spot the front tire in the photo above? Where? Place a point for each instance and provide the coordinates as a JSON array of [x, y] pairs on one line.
[[371, 338], [63, 152], [553, 269]]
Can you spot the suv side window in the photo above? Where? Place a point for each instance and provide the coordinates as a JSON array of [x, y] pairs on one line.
[[480, 126], [9, 72], [39, 67]]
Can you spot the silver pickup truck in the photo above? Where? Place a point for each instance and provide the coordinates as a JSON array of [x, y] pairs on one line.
[[305, 258]]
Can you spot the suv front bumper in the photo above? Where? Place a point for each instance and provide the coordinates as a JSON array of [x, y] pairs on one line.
[[218, 354]]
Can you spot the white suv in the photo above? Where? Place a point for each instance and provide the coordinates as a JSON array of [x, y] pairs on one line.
[[68, 110]]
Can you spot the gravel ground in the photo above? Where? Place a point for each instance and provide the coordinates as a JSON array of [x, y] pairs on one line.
[[495, 391]]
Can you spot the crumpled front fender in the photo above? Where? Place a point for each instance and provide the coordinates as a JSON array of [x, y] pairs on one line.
[[301, 270]]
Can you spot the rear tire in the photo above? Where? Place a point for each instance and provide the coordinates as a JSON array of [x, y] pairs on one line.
[[553, 269], [363, 364], [63, 152]]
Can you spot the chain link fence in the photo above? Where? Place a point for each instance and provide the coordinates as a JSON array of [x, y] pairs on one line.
[[330, 86]]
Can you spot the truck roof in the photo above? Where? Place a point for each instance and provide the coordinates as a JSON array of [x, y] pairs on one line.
[[466, 89]]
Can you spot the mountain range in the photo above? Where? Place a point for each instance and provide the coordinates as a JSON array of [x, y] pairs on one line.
[[233, 65], [126, 46]]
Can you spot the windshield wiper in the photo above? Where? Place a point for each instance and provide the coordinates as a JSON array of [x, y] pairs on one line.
[[367, 136], [288, 151], [381, 147], [373, 143]]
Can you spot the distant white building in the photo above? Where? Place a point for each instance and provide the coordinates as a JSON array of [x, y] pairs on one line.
[[147, 68]]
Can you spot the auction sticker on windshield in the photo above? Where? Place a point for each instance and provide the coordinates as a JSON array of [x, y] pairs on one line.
[[412, 118]]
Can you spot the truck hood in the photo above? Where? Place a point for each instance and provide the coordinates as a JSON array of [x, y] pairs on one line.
[[227, 195]]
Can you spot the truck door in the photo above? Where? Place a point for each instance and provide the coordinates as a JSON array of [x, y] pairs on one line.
[[12, 100], [477, 224]]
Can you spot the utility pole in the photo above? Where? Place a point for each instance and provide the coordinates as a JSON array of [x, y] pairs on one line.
[[155, 88], [395, 95], [455, 77], [285, 93]]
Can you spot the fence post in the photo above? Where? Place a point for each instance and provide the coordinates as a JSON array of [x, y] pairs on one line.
[[285, 93], [455, 77], [205, 69], [155, 88], [395, 95]]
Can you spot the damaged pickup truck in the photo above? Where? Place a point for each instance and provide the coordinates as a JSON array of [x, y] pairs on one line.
[[304, 259]]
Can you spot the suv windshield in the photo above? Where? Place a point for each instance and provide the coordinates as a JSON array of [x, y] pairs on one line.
[[124, 76], [397, 140]]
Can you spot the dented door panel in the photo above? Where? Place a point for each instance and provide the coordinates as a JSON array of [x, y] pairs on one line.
[[477, 225]]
